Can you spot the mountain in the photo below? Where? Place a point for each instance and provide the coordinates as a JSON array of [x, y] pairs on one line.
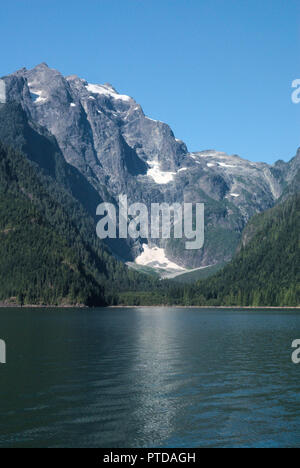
[[40, 147], [266, 271], [293, 176], [49, 250], [116, 149]]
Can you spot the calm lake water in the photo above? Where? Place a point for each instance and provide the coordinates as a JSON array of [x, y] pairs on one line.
[[150, 377]]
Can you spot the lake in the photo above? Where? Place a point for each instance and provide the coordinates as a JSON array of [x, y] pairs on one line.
[[149, 377]]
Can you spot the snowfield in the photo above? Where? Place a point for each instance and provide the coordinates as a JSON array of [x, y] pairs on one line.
[[107, 91], [155, 257], [160, 177]]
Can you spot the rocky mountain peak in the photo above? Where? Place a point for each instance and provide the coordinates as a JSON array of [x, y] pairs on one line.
[[42, 65], [108, 138]]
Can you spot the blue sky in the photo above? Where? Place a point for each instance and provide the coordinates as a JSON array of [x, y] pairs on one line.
[[218, 71]]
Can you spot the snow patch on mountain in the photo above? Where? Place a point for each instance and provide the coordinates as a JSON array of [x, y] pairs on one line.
[[37, 96], [160, 177], [2, 92], [226, 165], [155, 257], [153, 120], [107, 91]]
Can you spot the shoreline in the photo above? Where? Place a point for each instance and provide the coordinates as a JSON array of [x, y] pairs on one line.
[[199, 307], [163, 306]]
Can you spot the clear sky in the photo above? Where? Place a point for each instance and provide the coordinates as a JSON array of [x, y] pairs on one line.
[[218, 71]]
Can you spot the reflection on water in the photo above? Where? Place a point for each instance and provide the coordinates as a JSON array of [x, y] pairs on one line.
[[149, 377]]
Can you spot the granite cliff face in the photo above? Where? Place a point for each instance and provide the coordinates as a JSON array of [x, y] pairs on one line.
[[117, 149]]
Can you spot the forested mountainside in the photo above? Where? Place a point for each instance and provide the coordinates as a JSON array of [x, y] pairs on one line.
[[117, 149], [40, 147], [265, 271], [49, 252]]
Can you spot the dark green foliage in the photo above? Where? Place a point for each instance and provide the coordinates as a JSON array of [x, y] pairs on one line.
[[37, 265], [266, 271], [192, 276], [49, 249]]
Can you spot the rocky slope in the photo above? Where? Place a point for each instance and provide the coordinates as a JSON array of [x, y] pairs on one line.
[[118, 149]]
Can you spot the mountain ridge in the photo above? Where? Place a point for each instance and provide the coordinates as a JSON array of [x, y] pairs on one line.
[[117, 149]]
